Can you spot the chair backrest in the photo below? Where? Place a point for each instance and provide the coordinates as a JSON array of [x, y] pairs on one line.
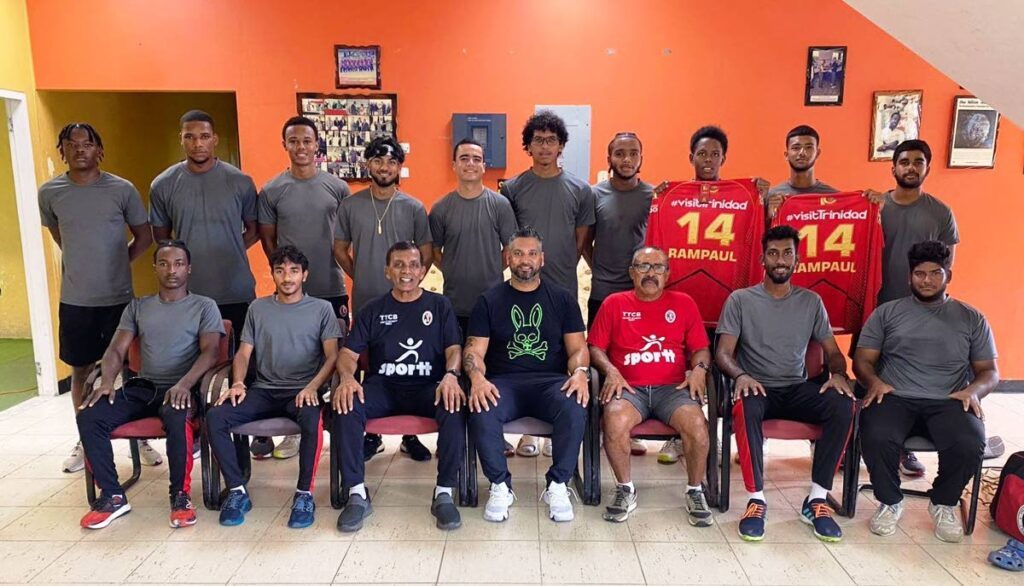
[[815, 359], [223, 351]]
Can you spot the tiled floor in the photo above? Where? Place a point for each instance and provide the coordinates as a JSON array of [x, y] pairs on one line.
[[41, 542]]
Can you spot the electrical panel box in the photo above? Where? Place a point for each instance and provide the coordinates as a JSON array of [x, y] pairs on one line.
[[486, 129]]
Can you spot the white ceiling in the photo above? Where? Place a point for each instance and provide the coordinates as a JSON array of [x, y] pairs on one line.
[[977, 43]]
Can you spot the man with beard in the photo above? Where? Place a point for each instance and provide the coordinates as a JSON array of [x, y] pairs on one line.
[[651, 348], [802, 152], [369, 222], [294, 338], [909, 216], [763, 332], [559, 206], [300, 207], [927, 360], [524, 335], [86, 211]]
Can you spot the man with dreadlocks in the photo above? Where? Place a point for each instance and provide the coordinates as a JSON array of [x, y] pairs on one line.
[[86, 210]]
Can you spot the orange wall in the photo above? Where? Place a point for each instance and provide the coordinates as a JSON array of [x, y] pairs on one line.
[[660, 68]]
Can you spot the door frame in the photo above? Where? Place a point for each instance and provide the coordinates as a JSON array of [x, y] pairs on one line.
[[33, 255]]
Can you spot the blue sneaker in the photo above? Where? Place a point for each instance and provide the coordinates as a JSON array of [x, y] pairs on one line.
[[302, 511], [752, 524], [818, 514], [234, 508]]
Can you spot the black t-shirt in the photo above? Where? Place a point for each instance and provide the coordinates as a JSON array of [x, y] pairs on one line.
[[406, 341], [526, 329]]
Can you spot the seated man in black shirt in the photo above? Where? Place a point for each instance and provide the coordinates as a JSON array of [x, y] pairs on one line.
[[412, 338], [527, 335]]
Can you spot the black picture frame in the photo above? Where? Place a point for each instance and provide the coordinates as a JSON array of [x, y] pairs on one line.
[[345, 123], [357, 67], [825, 79], [973, 134]]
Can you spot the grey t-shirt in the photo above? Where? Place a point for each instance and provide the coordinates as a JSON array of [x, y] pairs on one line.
[[472, 233], [96, 271], [287, 339], [405, 219], [305, 212], [927, 350], [168, 333], [786, 188], [555, 207], [619, 231], [774, 333], [208, 211], [903, 226]]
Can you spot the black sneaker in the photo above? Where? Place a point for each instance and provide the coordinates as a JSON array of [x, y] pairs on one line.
[[373, 444], [261, 447], [752, 524], [355, 512], [818, 514], [444, 510], [911, 466], [411, 445]]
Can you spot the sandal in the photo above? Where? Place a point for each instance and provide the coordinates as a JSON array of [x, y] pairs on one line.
[[527, 447], [1009, 557]]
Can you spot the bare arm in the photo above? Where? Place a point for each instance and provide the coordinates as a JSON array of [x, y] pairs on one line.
[[438, 257], [347, 363], [142, 237], [161, 232], [330, 347], [838, 379], [986, 377], [588, 246], [268, 238], [55, 234], [576, 348], [251, 235], [583, 234], [343, 254], [240, 364], [745, 384], [473, 358], [427, 254], [110, 367]]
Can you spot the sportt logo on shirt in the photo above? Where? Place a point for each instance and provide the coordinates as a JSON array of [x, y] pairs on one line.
[[651, 353], [526, 339], [401, 368]]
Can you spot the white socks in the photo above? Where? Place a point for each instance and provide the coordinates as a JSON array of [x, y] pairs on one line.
[[359, 489], [759, 495], [818, 491], [698, 488], [439, 490], [240, 489], [628, 484]]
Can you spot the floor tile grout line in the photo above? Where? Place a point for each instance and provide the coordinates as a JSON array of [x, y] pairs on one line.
[[939, 563], [639, 563]]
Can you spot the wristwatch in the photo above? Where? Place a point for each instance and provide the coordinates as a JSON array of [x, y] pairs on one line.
[[453, 372], [585, 369], [702, 365]]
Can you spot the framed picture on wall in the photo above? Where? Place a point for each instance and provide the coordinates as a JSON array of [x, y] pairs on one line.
[[826, 76], [357, 67], [895, 117], [972, 144], [345, 124]]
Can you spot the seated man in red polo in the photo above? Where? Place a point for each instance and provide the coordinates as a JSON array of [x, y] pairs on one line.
[[651, 348]]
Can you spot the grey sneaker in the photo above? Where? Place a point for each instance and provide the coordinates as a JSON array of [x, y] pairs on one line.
[[948, 527], [355, 512], [444, 510], [697, 509], [885, 519], [149, 455], [75, 460], [622, 506]]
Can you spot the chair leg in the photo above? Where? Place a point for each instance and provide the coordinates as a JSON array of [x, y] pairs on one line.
[[711, 475], [723, 489], [592, 456], [210, 472], [472, 484], [136, 465], [972, 517], [335, 456], [244, 459], [90, 485]]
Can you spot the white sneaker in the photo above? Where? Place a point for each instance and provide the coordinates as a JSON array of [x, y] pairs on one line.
[[75, 460], [148, 455], [948, 527], [288, 448], [885, 519], [670, 451], [559, 505], [546, 448], [637, 447], [528, 447], [498, 502]]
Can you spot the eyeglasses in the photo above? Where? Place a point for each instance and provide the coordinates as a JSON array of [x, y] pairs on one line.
[[646, 267], [545, 140]]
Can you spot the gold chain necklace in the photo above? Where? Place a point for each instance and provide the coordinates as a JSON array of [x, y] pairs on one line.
[[380, 218]]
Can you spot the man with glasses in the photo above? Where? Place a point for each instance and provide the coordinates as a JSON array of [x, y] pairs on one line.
[[179, 339], [559, 206], [369, 222], [650, 346]]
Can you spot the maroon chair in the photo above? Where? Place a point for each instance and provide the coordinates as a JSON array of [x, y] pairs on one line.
[[785, 429], [152, 427]]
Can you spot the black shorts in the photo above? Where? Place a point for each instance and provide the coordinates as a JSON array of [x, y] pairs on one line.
[[85, 332]]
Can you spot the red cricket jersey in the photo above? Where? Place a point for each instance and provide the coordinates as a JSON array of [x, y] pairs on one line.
[[650, 342], [840, 252], [711, 231]]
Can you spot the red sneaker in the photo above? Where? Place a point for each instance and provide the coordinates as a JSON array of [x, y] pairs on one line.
[[105, 510], [183, 512]]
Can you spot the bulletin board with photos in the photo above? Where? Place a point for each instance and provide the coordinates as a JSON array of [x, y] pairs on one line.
[[345, 124]]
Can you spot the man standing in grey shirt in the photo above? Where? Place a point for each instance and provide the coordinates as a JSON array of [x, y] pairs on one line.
[[927, 361], [470, 226], [802, 152], [622, 204], [299, 207], [553, 202], [86, 211], [210, 205], [295, 341], [764, 332], [369, 222]]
